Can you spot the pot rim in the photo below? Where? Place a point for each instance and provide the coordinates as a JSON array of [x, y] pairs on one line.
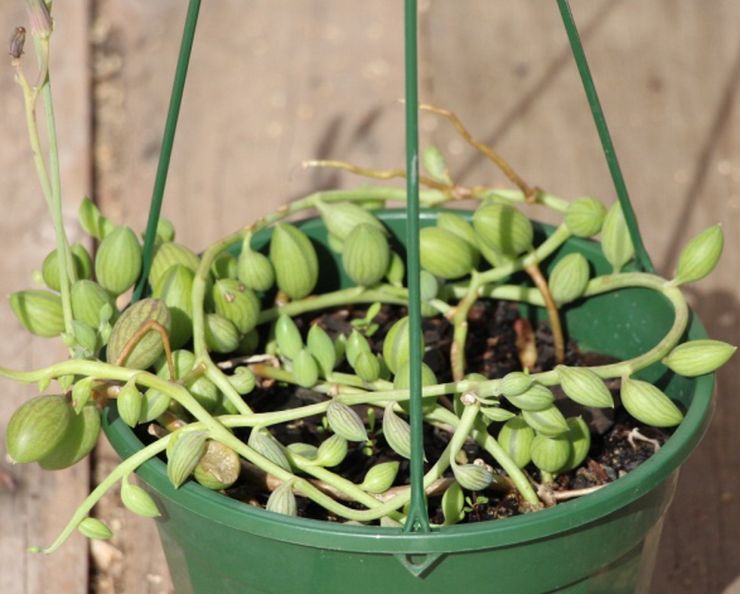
[[480, 535]]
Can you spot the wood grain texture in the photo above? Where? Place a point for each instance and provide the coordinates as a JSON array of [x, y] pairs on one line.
[[273, 84], [668, 75], [44, 501]]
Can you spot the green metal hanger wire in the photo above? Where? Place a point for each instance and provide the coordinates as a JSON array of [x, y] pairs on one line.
[[418, 518]]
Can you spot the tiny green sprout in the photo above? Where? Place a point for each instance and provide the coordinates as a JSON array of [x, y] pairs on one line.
[[365, 324], [474, 504]]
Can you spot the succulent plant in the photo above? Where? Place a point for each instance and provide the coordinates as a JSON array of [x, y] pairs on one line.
[[195, 359]]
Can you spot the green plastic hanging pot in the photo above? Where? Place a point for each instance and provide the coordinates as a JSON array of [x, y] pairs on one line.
[[603, 543]]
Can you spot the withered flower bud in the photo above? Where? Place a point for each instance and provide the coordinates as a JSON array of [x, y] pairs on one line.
[[17, 41], [38, 14]]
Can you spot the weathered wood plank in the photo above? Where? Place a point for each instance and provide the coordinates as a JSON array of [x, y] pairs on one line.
[[43, 502], [668, 76]]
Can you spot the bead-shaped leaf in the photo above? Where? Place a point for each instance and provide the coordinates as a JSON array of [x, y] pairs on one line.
[[332, 451], [305, 369], [503, 228], [261, 441], [435, 165], [380, 477], [356, 344], [453, 504], [583, 386], [366, 255], [367, 366], [294, 259], [322, 348], [585, 216], [255, 270], [37, 427], [515, 383], [243, 380], [95, 529], [92, 221], [496, 414], [700, 255], [282, 500], [235, 302], [459, 226], [39, 311], [344, 421], [169, 255], [155, 403], [396, 270], [397, 432], [185, 455], [397, 345], [550, 454], [219, 467], [697, 357], [402, 380], [288, 337], [445, 254], [304, 450], [341, 218], [221, 335], [515, 437], [549, 421], [82, 392], [474, 477], [130, 403], [569, 278], [536, 397], [138, 500], [579, 437], [79, 439], [615, 238], [648, 404], [118, 261]]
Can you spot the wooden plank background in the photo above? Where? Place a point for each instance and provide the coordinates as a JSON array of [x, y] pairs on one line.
[[275, 83]]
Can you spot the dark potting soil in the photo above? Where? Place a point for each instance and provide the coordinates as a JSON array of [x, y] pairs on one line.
[[499, 339]]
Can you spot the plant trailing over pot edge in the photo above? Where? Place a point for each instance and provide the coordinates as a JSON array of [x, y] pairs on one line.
[[194, 399]]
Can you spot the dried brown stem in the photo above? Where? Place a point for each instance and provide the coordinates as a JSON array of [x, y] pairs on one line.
[[540, 282], [138, 335], [376, 173], [530, 194]]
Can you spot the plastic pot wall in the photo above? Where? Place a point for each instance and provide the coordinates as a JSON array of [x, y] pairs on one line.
[[602, 543]]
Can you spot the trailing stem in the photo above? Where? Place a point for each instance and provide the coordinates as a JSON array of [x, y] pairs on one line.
[[531, 194], [534, 272], [50, 184], [459, 318]]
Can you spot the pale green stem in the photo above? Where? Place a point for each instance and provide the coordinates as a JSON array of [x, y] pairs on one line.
[[460, 327], [463, 429], [596, 286], [67, 270], [332, 299], [338, 482], [489, 443], [514, 196], [545, 249], [51, 188], [129, 465]]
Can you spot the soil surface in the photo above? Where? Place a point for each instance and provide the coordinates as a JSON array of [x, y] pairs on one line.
[[499, 341]]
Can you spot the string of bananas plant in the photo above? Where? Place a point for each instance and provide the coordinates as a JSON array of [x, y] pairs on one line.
[[184, 361]]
